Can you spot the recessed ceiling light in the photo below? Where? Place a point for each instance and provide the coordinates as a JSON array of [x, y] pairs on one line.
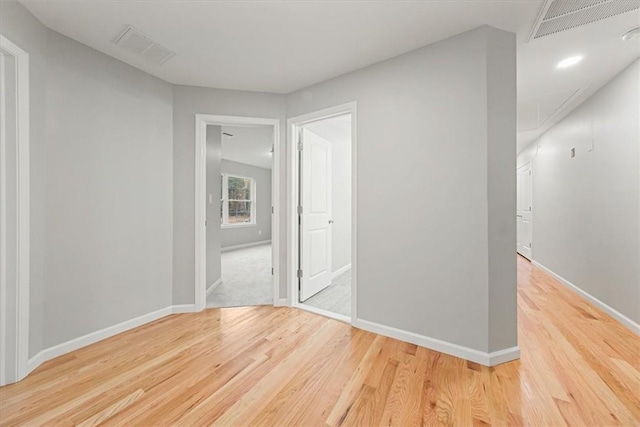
[[573, 60], [631, 34]]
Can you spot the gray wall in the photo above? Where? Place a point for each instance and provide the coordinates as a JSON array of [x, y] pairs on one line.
[[214, 157], [427, 132], [187, 102], [108, 250], [242, 235], [102, 240], [586, 209]]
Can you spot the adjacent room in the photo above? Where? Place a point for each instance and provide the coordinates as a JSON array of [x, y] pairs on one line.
[[239, 169], [325, 218]]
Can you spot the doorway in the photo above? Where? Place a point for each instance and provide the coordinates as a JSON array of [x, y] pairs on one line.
[[524, 211], [322, 223], [236, 211]]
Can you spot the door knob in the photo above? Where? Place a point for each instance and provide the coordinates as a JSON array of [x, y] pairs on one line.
[[330, 221]]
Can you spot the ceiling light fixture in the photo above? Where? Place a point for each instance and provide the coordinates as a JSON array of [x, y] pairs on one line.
[[631, 34], [573, 60]]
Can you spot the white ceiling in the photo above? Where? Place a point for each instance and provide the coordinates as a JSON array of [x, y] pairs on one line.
[[281, 46], [334, 129], [250, 145]]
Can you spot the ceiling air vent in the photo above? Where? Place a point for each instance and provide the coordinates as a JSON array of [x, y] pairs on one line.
[[137, 42], [562, 15]]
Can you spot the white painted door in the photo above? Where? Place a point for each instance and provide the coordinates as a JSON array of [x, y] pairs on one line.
[[523, 211], [315, 218]]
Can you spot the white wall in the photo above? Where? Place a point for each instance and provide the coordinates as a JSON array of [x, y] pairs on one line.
[[429, 132], [234, 236], [214, 238], [586, 209], [187, 102]]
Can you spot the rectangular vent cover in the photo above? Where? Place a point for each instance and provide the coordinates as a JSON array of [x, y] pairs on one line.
[[562, 15], [137, 42]]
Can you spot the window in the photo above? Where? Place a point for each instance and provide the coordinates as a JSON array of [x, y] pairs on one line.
[[238, 199]]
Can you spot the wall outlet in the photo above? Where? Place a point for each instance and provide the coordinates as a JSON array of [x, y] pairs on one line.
[[210, 198], [259, 232]]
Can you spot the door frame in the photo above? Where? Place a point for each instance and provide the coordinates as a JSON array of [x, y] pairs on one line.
[[525, 164], [293, 126], [9, 374], [201, 122]]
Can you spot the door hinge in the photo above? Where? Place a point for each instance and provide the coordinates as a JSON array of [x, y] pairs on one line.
[[299, 274], [272, 209], [299, 210], [299, 146], [272, 271]]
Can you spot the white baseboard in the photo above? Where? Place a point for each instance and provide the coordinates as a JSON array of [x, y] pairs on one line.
[[215, 285], [93, 337], [244, 246], [325, 313], [624, 320], [486, 359], [341, 270], [183, 308], [282, 302]]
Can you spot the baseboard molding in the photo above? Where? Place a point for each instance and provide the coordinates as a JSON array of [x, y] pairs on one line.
[[325, 313], [244, 246], [282, 302], [486, 359], [183, 308], [341, 270], [93, 337], [621, 318], [215, 285]]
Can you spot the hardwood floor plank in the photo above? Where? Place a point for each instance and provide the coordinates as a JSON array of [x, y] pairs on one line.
[[266, 366]]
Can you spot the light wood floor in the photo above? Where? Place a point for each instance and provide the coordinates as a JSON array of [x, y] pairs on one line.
[[265, 366]]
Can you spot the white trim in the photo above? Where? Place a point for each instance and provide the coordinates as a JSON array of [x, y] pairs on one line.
[[340, 271], [282, 302], [624, 320], [486, 359], [108, 332], [245, 245], [20, 370], [93, 337], [183, 308], [214, 285], [201, 122], [293, 124], [323, 312]]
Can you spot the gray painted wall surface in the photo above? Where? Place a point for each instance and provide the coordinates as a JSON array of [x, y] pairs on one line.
[[214, 157], [108, 250], [586, 209], [187, 102], [410, 111], [101, 240], [19, 26], [249, 234]]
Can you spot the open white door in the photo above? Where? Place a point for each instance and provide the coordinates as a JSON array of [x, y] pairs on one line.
[[315, 214], [523, 211]]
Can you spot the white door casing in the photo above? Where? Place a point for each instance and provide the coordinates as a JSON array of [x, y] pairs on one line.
[[315, 218], [524, 211]]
